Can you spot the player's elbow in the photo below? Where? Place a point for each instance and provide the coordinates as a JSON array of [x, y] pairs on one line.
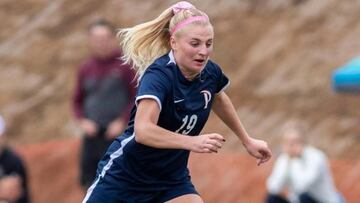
[[141, 132]]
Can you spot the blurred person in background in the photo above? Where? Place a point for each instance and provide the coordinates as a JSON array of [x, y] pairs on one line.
[[103, 97], [301, 173], [178, 87], [13, 176]]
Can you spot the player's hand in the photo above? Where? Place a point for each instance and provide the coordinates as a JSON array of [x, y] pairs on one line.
[[207, 143], [89, 127], [115, 128], [258, 149]]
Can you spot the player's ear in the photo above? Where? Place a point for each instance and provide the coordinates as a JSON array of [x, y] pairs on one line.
[[173, 43]]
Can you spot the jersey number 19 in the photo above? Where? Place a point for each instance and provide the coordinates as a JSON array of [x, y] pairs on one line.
[[187, 125]]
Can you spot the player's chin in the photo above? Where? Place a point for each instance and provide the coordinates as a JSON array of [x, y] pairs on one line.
[[198, 67]]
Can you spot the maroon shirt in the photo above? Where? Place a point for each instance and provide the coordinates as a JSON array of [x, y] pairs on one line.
[[105, 90]]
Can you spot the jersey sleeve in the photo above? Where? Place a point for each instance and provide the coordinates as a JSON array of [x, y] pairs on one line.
[[222, 80], [154, 84]]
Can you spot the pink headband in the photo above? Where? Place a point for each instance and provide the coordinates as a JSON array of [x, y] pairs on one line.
[[187, 22], [182, 5]]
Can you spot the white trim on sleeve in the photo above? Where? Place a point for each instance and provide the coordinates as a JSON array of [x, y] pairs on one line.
[[223, 89], [148, 96]]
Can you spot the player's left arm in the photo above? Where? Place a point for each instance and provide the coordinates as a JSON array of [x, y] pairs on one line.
[[224, 108]]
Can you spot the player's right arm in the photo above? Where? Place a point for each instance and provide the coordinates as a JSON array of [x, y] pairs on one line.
[[147, 132]]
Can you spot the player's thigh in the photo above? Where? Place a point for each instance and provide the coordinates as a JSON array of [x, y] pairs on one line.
[[188, 198]]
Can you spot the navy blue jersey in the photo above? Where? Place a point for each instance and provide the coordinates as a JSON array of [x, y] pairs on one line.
[[184, 108], [185, 105]]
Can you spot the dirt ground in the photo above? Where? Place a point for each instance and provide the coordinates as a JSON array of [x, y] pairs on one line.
[[221, 178]]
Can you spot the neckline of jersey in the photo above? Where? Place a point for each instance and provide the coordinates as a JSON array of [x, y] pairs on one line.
[[183, 79]]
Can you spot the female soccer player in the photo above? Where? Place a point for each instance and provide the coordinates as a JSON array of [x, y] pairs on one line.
[[178, 86]]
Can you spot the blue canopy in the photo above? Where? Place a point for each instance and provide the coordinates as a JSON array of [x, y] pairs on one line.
[[346, 79]]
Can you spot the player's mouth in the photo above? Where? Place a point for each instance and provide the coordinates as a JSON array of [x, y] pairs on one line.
[[200, 61]]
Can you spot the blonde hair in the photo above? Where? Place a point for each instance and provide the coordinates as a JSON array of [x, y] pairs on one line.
[[144, 43]]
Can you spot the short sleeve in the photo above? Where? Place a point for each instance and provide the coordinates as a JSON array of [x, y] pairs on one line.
[[154, 84], [222, 80]]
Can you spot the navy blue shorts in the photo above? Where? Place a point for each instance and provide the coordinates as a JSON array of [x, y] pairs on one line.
[[121, 194], [107, 188]]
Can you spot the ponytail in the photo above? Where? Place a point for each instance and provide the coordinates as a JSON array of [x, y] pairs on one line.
[[144, 43]]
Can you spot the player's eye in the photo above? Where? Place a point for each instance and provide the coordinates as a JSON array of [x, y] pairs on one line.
[[209, 43], [194, 44]]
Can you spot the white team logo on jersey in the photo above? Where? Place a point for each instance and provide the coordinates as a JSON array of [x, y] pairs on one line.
[[207, 97]]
